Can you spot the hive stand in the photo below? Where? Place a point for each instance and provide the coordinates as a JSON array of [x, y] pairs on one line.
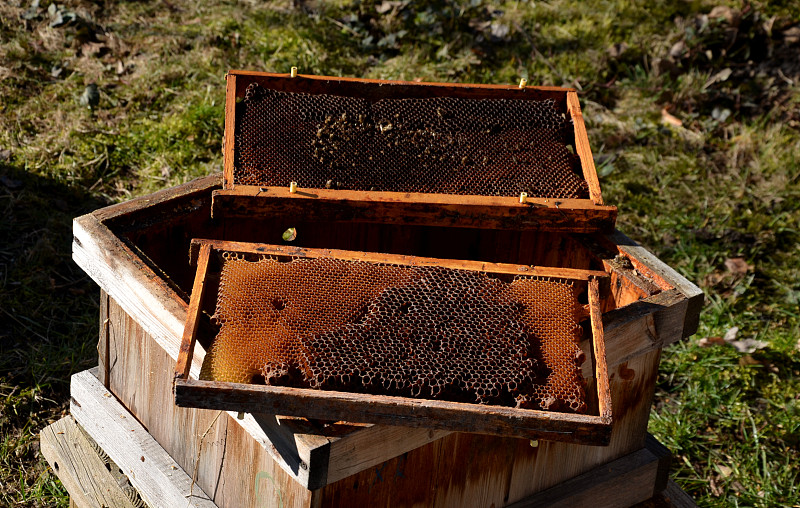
[[266, 460]]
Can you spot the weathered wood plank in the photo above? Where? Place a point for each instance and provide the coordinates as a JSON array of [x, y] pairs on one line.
[[561, 215], [395, 259], [618, 484], [389, 410], [583, 149], [81, 470], [375, 89], [229, 140], [599, 350], [158, 478], [188, 339]]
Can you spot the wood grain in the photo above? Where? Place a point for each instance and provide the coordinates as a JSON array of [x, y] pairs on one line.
[[158, 478], [395, 259], [229, 140], [553, 215], [618, 484], [583, 149], [81, 470], [186, 351]]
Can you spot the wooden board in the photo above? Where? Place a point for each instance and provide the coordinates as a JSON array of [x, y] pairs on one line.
[[394, 410], [86, 475], [619, 484], [555, 215], [545, 214], [156, 476]]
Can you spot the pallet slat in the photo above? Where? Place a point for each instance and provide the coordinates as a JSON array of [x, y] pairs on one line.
[[158, 478]]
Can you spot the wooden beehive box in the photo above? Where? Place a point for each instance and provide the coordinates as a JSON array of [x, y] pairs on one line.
[[349, 402], [409, 153], [134, 251]]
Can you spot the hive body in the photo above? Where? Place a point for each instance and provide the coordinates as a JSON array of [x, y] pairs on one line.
[[427, 332]]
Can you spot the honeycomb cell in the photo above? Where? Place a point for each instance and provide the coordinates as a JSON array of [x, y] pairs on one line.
[[411, 331], [490, 147]]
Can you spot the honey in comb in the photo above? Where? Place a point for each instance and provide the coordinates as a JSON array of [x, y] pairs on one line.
[[491, 147], [424, 332]]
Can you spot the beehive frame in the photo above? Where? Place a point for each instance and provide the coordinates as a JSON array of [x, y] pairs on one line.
[[592, 429], [507, 212]]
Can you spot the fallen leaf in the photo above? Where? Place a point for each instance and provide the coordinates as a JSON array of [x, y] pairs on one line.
[[722, 75], [731, 16], [670, 119], [678, 50], [711, 341], [738, 266], [724, 471], [716, 489], [791, 35], [730, 335], [748, 345]]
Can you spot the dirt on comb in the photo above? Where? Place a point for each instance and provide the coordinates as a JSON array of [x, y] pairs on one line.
[[424, 332], [488, 147]]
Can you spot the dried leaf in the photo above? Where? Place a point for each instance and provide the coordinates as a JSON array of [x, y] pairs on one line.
[[711, 341], [738, 266], [748, 345], [724, 471], [670, 119], [722, 75], [731, 334], [716, 489]]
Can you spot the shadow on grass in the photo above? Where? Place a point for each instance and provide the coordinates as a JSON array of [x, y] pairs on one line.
[[48, 313]]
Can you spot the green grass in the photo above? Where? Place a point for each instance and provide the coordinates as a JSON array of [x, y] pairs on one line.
[[725, 184]]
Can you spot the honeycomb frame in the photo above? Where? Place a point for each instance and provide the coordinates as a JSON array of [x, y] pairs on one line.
[[392, 409], [452, 189]]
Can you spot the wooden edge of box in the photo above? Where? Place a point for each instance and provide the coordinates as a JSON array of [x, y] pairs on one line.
[[583, 148], [151, 470], [646, 263], [385, 409], [543, 214], [394, 411], [83, 472], [197, 244], [331, 84], [631, 479], [229, 138]]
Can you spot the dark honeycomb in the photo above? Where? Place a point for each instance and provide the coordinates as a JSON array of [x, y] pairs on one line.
[[489, 147], [425, 332]]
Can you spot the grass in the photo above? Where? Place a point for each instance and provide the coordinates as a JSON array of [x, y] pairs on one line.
[[724, 184]]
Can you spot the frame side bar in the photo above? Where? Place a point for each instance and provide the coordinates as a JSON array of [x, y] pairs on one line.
[[583, 149], [228, 140], [598, 343], [186, 351]]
